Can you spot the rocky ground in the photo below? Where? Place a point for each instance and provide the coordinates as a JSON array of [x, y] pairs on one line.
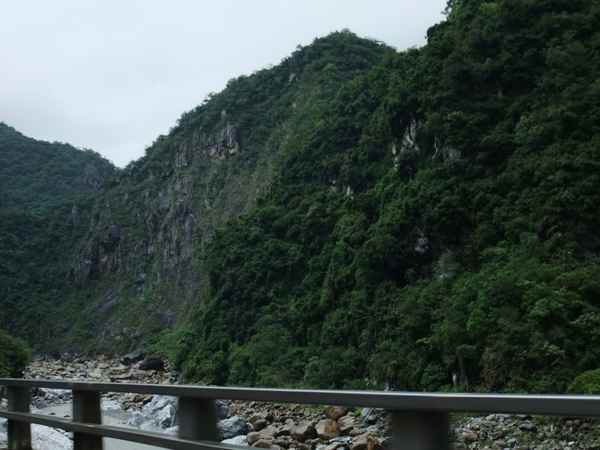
[[280, 427]]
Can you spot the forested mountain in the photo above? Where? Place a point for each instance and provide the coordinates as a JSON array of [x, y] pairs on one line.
[[36, 174], [357, 217], [44, 188]]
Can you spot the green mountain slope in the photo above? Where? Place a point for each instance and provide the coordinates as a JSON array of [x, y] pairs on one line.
[[47, 191], [35, 174], [434, 227]]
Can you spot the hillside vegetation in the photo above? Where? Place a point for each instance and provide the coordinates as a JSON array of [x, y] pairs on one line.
[[356, 217], [435, 225], [45, 188]]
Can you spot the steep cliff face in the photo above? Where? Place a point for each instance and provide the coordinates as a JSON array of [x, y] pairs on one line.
[[144, 249], [141, 264]]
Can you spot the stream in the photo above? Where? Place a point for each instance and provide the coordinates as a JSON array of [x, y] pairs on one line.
[[113, 415], [46, 438]]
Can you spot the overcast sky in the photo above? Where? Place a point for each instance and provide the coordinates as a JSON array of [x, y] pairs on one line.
[[112, 75]]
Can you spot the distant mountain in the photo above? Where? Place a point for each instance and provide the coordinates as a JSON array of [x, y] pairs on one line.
[[45, 191], [37, 173], [355, 217]]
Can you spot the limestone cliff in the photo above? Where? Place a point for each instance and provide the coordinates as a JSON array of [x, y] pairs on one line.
[[140, 267]]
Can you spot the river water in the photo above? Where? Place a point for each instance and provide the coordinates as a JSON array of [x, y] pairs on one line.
[[45, 438]]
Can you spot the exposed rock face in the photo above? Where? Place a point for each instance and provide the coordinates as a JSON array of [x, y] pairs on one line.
[[144, 244], [218, 144], [447, 151], [92, 178], [111, 238]]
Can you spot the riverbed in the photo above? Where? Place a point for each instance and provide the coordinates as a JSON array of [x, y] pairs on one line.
[[46, 438]]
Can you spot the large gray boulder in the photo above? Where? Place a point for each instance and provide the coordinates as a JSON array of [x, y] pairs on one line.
[[135, 356], [232, 427], [152, 363]]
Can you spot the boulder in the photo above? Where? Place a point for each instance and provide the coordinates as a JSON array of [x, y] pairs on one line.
[[222, 409], [528, 427], [347, 424], [366, 442], [286, 428], [164, 417], [152, 363], [261, 420], [307, 412], [121, 377], [269, 432], [371, 415], [141, 374], [303, 431], [253, 437], [260, 424], [267, 415], [336, 446], [237, 440], [335, 412], [232, 427], [357, 432], [327, 429], [135, 356], [263, 443]]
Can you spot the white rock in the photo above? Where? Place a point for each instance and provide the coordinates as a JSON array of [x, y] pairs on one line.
[[110, 405], [237, 440]]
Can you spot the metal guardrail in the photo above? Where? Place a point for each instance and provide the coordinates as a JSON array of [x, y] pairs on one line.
[[420, 420]]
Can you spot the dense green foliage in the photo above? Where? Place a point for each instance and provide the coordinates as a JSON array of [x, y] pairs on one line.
[[467, 258], [587, 383], [36, 174], [47, 193], [14, 355]]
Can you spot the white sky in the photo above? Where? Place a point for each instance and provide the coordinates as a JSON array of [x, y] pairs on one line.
[[112, 75]]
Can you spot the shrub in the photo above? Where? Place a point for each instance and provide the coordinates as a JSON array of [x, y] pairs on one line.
[[587, 383]]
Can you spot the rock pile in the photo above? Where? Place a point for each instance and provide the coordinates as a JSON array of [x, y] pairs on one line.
[[503, 431], [146, 370], [99, 370], [278, 427]]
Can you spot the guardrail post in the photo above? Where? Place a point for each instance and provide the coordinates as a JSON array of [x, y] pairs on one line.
[[19, 433], [86, 409], [420, 430], [197, 419]]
